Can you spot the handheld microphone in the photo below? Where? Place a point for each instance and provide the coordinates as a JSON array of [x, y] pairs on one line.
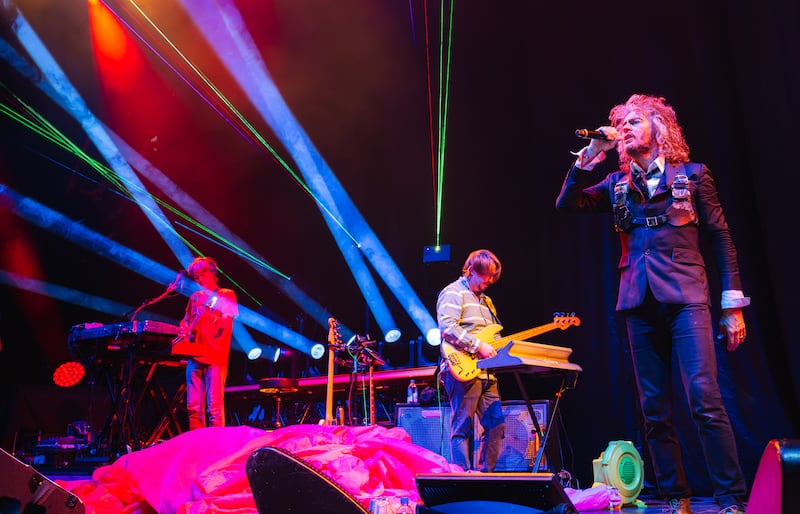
[[591, 134]]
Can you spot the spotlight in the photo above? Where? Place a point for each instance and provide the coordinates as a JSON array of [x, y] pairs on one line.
[[68, 374], [272, 353], [254, 353], [392, 335], [317, 351], [434, 337]]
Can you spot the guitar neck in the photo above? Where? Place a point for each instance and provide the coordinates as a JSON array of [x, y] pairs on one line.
[[329, 390], [525, 334]]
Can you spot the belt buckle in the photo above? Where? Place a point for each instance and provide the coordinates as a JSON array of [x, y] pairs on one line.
[[651, 221]]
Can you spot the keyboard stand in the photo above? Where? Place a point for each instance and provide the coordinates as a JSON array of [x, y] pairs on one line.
[[543, 438]]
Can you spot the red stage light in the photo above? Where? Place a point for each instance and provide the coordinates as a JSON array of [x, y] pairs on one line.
[[108, 34], [68, 374]]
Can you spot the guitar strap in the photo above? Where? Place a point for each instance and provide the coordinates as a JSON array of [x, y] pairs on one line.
[[490, 304]]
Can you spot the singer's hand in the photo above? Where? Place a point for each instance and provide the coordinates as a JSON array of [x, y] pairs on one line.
[[732, 325], [598, 145]]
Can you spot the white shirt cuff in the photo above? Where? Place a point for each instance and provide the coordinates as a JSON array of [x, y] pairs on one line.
[[733, 299]]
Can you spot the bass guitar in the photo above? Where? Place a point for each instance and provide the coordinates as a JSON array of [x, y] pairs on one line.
[[334, 344], [464, 365]]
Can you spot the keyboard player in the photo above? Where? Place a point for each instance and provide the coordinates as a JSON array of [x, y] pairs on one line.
[[207, 327]]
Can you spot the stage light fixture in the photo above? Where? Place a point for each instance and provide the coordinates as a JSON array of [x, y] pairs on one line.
[[620, 466], [69, 374], [254, 353], [392, 335], [434, 337], [317, 351], [436, 253], [270, 352]]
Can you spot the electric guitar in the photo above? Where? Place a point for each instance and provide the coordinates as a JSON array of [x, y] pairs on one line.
[[463, 365], [334, 344], [185, 343]]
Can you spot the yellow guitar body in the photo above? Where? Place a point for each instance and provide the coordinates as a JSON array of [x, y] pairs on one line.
[[464, 365]]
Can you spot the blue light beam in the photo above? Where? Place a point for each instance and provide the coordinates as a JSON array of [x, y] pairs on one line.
[[68, 98], [81, 235], [225, 31]]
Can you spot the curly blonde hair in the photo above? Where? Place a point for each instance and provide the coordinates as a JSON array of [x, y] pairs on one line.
[[666, 130]]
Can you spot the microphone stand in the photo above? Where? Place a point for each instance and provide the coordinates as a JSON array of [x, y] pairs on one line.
[[169, 292], [366, 357]]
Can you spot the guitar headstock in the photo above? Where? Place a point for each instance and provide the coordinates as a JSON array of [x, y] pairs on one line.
[[564, 320], [334, 336]]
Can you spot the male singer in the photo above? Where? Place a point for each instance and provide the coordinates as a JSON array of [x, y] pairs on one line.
[[662, 204]]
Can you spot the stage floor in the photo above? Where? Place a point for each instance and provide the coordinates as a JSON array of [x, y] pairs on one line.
[[700, 505]]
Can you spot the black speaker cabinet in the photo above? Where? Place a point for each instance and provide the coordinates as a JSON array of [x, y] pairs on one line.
[[489, 493], [285, 484], [23, 489], [428, 427], [776, 487], [520, 443]]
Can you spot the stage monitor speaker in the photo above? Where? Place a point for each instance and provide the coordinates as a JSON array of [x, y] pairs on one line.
[[428, 427], [506, 493], [23, 489], [520, 443], [282, 482], [776, 487]]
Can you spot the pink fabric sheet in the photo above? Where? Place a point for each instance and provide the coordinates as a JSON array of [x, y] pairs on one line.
[[203, 471]]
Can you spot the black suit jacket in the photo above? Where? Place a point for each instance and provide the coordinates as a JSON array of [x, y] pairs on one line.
[[668, 257]]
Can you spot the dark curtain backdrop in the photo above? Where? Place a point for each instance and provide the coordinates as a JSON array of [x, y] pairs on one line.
[[731, 71], [525, 75]]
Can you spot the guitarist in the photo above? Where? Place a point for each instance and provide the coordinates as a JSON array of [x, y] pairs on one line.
[[208, 323], [462, 310]]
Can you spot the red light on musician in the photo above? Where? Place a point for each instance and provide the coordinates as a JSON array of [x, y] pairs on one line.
[[207, 328]]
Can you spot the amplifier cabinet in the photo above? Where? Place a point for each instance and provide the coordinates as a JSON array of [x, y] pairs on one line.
[[428, 427], [520, 443]]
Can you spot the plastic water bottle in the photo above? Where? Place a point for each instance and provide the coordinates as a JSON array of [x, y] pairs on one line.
[[411, 396], [379, 506], [404, 507]]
